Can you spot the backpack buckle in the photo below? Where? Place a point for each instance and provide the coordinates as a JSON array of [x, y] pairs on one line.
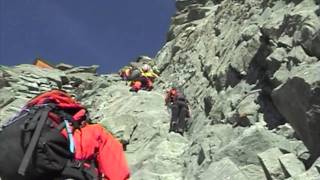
[[76, 163]]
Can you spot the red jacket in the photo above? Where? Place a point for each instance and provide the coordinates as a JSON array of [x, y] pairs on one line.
[[93, 139]]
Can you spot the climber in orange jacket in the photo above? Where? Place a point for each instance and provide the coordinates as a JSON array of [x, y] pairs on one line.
[[93, 142]]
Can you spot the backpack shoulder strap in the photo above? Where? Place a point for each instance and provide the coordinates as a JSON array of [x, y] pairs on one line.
[[42, 114]]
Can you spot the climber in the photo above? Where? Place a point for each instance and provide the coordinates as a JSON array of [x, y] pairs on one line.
[[145, 79], [141, 60], [94, 143], [180, 110], [125, 72], [53, 138]]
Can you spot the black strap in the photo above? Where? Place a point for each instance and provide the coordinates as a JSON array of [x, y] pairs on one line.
[[34, 140], [75, 169]]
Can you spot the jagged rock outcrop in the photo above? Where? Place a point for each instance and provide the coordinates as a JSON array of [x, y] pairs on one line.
[[298, 100], [250, 71], [239, 58]]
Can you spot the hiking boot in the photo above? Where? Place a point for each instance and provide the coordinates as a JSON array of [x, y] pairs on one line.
[[180, 131]]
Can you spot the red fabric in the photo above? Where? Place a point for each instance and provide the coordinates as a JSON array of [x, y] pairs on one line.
[[79, 115], [54, 117], [170, 96], [137, 85], [94, 139], [55, 96], [62, 100], [149, 84]]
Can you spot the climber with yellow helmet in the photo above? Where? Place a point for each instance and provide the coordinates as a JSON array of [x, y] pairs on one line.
[[145, 80]]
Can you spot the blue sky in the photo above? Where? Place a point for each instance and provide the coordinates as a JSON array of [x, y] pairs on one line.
[[82, 32]]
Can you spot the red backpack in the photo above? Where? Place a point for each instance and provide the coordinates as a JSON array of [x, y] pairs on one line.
[[62, 101]]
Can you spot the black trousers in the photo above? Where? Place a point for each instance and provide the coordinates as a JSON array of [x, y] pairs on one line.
[[179, 110]]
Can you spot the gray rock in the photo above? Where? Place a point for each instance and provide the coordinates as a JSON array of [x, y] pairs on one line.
[[11, 109], [8, 98], [316, 163], [285, 130], [243, 149], [250, 31], [83, 69], [223, 169], [298, 102], [64, 67], [3, 82], [311, 174], [285, 41], [253, 172], [196, 12], [275, 59], [179, 19], [182, 4], [311, 44], [30, 70], [270, 163], [298, 55], [291, 165], [308, 32]]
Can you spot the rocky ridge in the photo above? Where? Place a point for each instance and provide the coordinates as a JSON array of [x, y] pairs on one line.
[[245, 63], [250, 71]]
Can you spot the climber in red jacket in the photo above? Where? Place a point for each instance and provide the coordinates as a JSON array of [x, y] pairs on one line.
[[178, 103], [92, 141], [96, 153]]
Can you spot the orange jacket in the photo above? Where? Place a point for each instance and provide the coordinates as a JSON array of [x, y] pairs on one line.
[[93, 139]]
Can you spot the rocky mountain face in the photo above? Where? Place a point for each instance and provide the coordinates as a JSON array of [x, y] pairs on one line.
[[250, 70]]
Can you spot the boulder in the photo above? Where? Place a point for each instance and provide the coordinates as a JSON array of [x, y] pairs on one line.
[[182, 4], [285, 130], [253, 172], [298, 101], [298, 55], [285, 41], [270, 162], [11, 109], [244, 148], [223, 169], [3, 82], [83, 69], [64, 67], [311, 174], [8, 98], [196, 12], [291, 165]]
